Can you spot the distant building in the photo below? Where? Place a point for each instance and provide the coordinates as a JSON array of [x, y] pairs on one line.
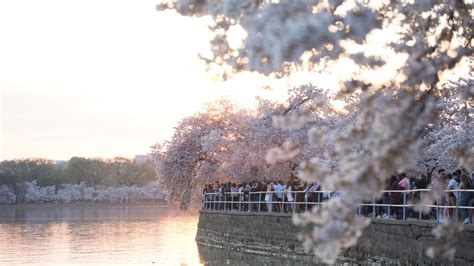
[[140, 159]]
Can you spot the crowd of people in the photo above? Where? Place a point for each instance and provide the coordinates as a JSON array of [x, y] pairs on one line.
[[296, 196], [449, 204], [460, 181], [261, 196]]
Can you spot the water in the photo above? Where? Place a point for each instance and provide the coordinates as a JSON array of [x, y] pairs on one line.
[[110, 235], [97, 235]]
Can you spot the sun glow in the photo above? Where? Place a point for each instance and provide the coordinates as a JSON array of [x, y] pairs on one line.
[[102, 78], [112, 77]]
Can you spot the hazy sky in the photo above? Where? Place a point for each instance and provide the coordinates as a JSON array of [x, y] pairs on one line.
[[104, 78], [100, 77]]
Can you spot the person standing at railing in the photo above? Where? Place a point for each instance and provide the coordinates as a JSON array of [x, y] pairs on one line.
[[213, 197], [279, 191], [289, 197], [465, 198], [453, 197], [246, 192], [299, 197], [386, 197], [437, 178], [240, 187], [254, 196], [454, 182], [262, 187], [435, 184], [269, 196], [221, 191], [227, 196], [395, 197], [440, 184], [312, 193], [205, 192], [421, 183], [234, 192], [405, 184]]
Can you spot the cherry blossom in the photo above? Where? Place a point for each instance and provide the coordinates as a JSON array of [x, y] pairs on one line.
[[395, 53]]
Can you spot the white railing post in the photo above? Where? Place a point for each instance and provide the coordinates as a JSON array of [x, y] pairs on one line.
[[419, 212], [456, 213], [373, 207], [437, 210], [389, 213]]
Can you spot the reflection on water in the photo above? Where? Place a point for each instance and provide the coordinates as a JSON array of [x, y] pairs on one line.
[[38, 213], [110, 234], [85, 234]]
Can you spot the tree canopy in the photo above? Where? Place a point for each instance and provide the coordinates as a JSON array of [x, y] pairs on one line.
[[401, 112], [106, 172]]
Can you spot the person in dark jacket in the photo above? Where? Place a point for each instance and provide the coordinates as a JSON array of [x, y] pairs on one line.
[[395, 197]]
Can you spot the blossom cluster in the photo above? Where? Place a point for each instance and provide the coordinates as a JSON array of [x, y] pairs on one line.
[[30, 192], [405, 45]]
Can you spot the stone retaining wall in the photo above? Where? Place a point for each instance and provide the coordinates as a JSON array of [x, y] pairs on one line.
[[384, 242]]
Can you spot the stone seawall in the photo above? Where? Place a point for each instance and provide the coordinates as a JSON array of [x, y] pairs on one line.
[[387, 242]]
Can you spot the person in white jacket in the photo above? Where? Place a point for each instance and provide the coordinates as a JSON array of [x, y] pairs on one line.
[[289, 197], [269, 196]]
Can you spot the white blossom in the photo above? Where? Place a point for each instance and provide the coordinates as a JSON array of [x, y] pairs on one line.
[[7, 195], [69, 193], [389, 129]]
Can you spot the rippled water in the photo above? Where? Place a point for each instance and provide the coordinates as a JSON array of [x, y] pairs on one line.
[[97, 235]]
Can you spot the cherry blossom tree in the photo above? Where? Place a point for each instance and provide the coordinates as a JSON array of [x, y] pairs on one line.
[[69, 193], [199, 149], [7, 195], [452, 130], [224, 142], [405, 46]]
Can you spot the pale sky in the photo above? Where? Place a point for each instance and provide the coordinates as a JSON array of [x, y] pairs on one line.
[[105, 78], [100, 78]]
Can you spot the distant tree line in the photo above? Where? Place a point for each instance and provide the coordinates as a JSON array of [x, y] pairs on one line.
[[114, 172]]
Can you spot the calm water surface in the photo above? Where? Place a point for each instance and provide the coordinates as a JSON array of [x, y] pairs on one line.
[[110, 235], [81, 234]]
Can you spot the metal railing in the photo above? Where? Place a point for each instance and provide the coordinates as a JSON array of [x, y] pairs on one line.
[[301, 201]]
